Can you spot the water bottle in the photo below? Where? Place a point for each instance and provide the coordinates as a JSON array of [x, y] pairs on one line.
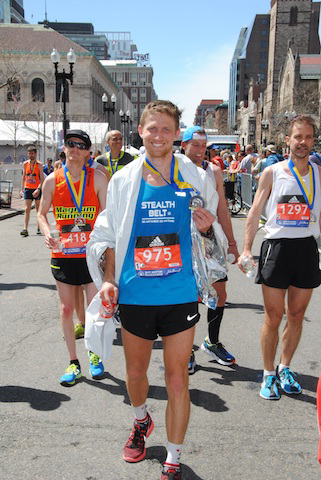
[[106, 311], [230, 257], [54, 233], [248, 267]]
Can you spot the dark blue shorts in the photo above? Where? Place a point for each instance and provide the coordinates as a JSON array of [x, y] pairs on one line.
[[27, 194]]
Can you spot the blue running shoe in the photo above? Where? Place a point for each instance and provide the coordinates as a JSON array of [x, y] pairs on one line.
[[269, 388], [287, 382], [191, 363], [218, 352], [96, 368], [70, 376]]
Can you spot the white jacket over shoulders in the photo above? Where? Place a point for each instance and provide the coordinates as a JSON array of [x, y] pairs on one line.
[[113, 226]]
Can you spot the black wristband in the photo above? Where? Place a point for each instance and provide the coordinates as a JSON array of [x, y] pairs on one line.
[[209, 233]]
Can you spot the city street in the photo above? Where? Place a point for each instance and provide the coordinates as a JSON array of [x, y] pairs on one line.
[[49, 432]]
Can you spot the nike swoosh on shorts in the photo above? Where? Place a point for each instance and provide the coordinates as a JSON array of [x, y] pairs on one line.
[[189, 318]]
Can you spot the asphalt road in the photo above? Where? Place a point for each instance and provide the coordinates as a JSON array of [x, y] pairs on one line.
[[49, 432]]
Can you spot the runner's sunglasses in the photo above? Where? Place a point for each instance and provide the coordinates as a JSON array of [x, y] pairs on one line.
[[80, 145]]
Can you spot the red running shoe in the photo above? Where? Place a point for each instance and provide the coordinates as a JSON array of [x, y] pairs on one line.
[[172, 474], [134, 450]]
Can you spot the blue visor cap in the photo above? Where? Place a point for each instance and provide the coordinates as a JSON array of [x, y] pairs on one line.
[[191, 133]]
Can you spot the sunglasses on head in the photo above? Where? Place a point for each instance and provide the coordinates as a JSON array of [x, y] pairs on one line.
[[80, 145]]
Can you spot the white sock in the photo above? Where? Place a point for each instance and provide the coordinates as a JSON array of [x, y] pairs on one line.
[[140, 413], [173, 455], [267, 372], [282, 366]]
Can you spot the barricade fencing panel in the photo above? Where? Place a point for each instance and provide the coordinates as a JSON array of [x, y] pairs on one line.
[[12, 173], [248, 188]]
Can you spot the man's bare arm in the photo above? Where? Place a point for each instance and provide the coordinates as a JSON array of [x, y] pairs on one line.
[[252, 223], [223, 214], [109, 289]]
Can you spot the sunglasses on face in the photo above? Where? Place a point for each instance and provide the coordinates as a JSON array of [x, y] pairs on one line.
[[80, 145]]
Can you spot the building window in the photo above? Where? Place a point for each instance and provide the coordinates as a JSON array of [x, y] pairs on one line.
[[133, 78], [264, 21], [37, 90], [13, 91], [262, 65], [293, 16], [133, 95], [264, 33], [263, 43], [142, 95], [247, 65], [62, 91]]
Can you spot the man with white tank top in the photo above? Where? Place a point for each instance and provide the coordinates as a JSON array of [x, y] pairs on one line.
[[289, 258]]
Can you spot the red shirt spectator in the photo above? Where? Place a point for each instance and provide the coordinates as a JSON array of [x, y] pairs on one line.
[[218, 161]]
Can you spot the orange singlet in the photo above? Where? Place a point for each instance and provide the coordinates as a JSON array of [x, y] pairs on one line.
[[32, 179], [74, 226]]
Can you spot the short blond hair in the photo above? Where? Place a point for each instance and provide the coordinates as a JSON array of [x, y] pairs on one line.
[[162, 106], [302, 119]]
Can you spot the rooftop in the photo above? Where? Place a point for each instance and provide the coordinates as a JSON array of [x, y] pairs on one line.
[[310, 67], [24, 38]]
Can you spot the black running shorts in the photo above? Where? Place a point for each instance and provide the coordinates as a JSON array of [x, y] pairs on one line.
[[289, 261], [150, 321], [27, 194], [73, 271]]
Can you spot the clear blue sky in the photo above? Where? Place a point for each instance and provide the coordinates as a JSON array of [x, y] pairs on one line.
[[190, 44]]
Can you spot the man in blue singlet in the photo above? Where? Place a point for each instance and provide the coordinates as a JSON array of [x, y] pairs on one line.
[[149, 270], [289, 258]]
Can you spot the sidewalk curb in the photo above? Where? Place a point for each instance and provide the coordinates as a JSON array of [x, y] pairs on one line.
[[10, 214]]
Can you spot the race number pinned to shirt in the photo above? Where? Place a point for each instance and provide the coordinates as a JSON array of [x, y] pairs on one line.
[[292, 211], [75, 237], [157, 255]]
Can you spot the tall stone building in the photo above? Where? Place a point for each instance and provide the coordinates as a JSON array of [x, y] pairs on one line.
[[249, 62], [295, 23]]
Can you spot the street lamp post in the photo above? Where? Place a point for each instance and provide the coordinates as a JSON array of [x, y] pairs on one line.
[[64, 77], [109, 106], [125, 118]]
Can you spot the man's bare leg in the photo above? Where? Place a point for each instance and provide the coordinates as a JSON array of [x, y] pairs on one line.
[[274, 310]]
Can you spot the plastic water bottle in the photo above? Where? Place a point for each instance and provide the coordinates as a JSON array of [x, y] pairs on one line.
[[248, 267], [230, 257], [54, 233], [106, 311]]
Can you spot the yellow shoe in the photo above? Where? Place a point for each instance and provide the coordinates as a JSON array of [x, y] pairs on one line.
[[79, 330]]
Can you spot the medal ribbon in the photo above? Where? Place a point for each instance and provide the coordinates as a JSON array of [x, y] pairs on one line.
[[90, 162], [32, 169], [309, 197], [77, 198], [174, 181], [110, 161]]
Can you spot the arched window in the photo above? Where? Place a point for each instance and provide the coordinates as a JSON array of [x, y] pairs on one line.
[[293, 16], [62, 91], [13, 91], [38, 90]]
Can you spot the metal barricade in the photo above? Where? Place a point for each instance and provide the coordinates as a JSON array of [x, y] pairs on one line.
[[6, 187], [247, 190]]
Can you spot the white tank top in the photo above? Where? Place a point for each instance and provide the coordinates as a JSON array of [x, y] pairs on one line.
[[288, 215]]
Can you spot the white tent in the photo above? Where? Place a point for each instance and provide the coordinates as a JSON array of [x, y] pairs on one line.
[[47, 136]]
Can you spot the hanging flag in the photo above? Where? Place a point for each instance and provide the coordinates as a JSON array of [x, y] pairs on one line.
[[237, 147]]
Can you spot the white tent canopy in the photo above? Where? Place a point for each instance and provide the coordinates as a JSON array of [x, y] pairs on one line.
[[23, 133]]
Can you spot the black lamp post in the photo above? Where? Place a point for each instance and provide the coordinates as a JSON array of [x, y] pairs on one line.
[[125, 118], [64, 77], [109, 105]]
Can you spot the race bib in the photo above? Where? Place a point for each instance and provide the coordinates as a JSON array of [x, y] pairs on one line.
[[292, 211], [157, 255], [74, 238], [31, 178]]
